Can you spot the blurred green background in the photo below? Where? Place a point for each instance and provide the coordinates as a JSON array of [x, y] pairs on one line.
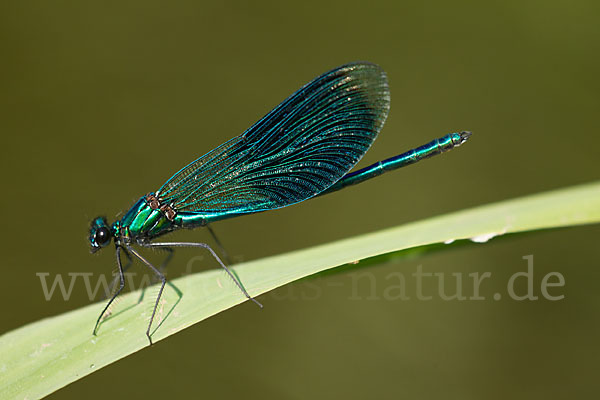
[[101, 102]]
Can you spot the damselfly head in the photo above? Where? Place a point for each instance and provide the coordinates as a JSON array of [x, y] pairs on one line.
[[100, 234]]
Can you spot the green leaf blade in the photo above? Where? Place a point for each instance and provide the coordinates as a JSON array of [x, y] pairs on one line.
[[46, 355]]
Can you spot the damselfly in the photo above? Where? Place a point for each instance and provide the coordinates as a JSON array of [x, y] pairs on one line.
[[303, 148]]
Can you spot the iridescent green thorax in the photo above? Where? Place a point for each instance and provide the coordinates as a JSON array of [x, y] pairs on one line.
[[148, 218], [144, 221]]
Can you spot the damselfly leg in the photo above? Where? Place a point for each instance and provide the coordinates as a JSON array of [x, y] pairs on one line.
[[228, 260], [115, 280], [161, 268], [163, 282], [118, 291], [215, 256]]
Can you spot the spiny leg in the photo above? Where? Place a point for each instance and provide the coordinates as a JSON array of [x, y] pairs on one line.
[[121, 285], [116, 278], [162, 286], [216, 257], [167, 259], [219, 245], [162, 267]]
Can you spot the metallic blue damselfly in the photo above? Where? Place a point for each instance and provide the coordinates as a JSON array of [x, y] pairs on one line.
[[303, 148]]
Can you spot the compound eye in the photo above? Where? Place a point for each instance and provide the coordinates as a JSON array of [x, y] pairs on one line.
[[102, 236]]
